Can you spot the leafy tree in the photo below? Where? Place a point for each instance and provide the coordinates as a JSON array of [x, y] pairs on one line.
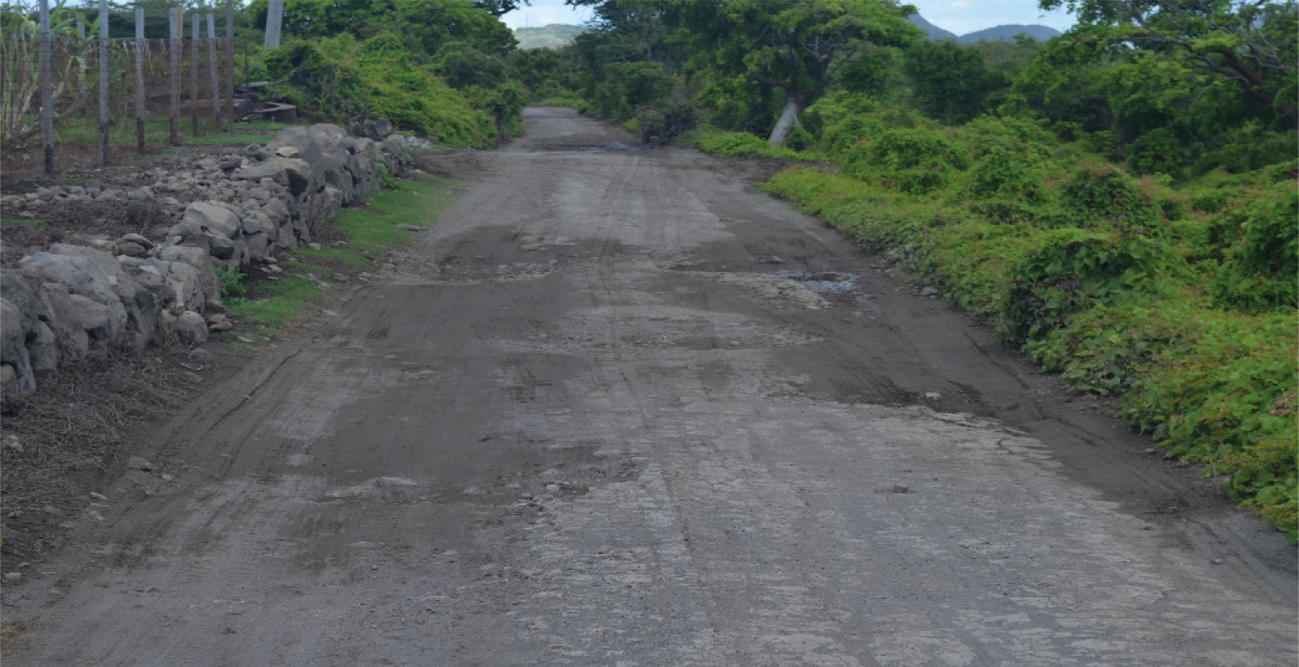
[[1250, 43], [427, 25], [797, 47], [951, 82], [499, 7]]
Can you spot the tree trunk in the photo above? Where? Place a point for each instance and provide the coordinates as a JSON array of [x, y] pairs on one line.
[[788, 121]]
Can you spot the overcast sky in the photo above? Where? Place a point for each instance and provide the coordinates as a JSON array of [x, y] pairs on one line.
[[958, 16]]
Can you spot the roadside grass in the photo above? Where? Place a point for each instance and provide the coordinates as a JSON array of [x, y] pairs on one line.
[[15, 634], [21, 221], [273, 305]]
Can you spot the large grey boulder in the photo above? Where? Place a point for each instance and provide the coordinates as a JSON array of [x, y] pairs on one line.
[[63, 320], [191, 328], [87, 276], [95, 319], [23, 291], [183, 284], [212, 216], [201, 261], [13, 350], [43, 348], [290, 172]]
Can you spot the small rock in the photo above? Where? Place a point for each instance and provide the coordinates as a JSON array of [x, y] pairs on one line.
[[200, 354], [139, 463], [217, 327], [12, 444], [933, 395], [1216, 561], [1152, 450], [408, 228], [928, 291], [314, 246], [98, 496], [13, 576]]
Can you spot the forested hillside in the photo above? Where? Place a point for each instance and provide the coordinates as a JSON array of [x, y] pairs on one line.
[[553, 36], [1119, 202]]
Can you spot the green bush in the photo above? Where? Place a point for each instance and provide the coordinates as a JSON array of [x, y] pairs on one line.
[[1261, 269], [1107, 198], [740, 144], [344, 81], [916, 160], [1003, 172], [1157, 152], [1073, 270], [661, 124]]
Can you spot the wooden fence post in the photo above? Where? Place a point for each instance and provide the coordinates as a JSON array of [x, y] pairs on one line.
[[193, 73], [213, 65], [103, 82], [47, 90], [140, 93], [177, 28]]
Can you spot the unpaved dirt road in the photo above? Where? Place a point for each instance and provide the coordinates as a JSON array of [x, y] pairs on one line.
[[595, 423]]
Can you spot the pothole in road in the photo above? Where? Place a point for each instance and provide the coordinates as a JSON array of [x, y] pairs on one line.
[[824, 282]]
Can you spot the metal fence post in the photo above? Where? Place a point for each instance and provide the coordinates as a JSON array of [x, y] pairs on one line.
[[193, 74], [140, 93], [47, 91], [230, 59], [103, 82], [213, 67], [177, 27]]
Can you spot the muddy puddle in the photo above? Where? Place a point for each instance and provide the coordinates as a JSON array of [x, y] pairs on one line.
[[823, 282]]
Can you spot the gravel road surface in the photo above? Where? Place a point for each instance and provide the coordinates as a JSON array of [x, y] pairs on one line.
[[621, 409]]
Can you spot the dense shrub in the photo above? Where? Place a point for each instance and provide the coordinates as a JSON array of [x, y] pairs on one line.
[[1106, 197], [345, 81], [915, 161], [662, 124], [1157, 152], [1073, 270], [1262, 267]]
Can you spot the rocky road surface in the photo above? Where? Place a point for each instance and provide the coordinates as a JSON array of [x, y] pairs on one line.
[[621, 409]]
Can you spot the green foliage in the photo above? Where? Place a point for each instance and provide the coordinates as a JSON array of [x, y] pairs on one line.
[[626, 86], [1157, 152], [1003, 172], [1261, 269], [915, 161], [950, 81], [740, 144], [1073, 270], [662, 124], [231, 282], [1106, 197], [344, 80]]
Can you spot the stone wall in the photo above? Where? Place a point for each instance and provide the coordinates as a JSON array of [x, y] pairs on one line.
[[123, 294]]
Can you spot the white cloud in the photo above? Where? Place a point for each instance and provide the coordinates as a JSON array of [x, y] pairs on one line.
[[545, 12]]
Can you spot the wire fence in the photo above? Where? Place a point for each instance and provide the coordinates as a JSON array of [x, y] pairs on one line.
[[108, 98]]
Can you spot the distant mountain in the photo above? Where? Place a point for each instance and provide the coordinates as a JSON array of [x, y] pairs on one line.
[[553, 36], [1007, 33], [1001, 33], [932, 31]]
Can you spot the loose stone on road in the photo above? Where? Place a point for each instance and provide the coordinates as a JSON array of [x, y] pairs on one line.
[[591, 421]]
